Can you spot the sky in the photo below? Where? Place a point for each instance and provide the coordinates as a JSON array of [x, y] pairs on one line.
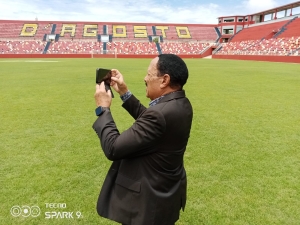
[[159, 11]]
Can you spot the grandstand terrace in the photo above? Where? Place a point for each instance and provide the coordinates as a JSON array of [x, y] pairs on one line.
[[230, 25], [291, 29], [184, 48], [274, 46], [22, 47], [74, 47], [269, 38], [131, 47], [259, 31], [58, 37], [274, 32]]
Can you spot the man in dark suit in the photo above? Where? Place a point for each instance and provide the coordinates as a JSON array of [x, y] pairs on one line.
[[146, 183]]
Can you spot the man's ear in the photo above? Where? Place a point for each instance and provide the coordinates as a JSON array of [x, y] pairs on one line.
[[166, 79]]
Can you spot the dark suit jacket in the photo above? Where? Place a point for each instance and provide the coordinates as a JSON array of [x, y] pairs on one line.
[[146, 183]]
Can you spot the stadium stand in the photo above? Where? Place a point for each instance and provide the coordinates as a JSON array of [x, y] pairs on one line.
[[131, 47], [280, 38], [74, 47], [79, 31], [183, 48], [292, 29], [22, 47], [256, 32], [297, 52], [43, 28], [273, 46], [252, 34], [10, 30], [207, 34], [236, 47], [84, 38]]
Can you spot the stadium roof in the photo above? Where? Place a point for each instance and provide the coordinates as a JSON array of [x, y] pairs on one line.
[[269, 11], [278, 9]]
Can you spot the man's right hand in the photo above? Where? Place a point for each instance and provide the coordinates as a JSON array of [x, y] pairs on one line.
[[117, 82]]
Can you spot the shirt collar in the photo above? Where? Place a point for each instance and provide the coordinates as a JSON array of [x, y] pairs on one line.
[[155, 101]]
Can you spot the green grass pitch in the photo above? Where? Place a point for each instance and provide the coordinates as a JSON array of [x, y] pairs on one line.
[[242, 160]]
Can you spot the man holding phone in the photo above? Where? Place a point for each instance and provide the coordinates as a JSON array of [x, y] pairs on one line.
[[146, 183]]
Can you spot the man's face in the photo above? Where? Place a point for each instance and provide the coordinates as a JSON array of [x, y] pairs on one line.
[[152, 81]]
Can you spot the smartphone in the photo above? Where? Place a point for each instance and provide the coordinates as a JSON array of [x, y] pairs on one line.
[[104, 75]]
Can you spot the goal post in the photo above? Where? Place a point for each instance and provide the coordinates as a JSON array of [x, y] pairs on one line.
[[104, 52]]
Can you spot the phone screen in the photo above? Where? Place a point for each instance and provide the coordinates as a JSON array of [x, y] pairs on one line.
[[103, 75]]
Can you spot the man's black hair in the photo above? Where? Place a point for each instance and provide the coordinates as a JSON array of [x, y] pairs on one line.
[[174, 66]]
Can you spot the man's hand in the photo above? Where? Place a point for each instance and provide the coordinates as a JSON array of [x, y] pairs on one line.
[[102, 97], [117, 82]]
